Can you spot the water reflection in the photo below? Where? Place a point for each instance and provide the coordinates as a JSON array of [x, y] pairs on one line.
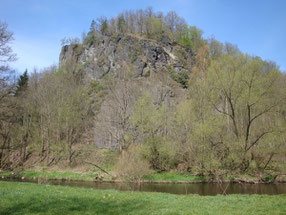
[[201, 189]]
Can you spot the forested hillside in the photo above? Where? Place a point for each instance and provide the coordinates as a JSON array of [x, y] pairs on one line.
[[146, 92]]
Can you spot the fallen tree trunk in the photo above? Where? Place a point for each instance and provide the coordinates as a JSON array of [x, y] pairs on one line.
[[99, 168], [275, 177]]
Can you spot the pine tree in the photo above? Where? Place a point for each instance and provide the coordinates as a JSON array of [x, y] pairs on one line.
[[91, 35], [121, 24], [104, 27], [92, 30], [22, 83]]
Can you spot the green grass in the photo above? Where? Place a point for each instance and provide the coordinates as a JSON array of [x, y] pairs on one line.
[[52, 175], [167, 176], [26, 198], [173, 176]]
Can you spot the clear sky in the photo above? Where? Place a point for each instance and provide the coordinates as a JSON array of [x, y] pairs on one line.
[[258, 27]]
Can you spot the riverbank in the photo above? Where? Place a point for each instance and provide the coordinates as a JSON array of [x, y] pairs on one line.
[[163, 178], [50, 175], [155, 177], [25, 198]]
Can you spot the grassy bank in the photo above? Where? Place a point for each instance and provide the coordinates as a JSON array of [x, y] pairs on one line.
[[25, 198], [168, 176], [165, 177], [51, 175]]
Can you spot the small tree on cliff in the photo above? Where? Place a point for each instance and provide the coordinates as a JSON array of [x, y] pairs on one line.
[[91, 35], [121, 24]]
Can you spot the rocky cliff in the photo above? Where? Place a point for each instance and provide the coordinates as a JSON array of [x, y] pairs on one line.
[[152, 67], [108, 52]]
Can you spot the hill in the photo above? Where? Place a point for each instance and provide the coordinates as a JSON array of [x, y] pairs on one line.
[[145, 92]]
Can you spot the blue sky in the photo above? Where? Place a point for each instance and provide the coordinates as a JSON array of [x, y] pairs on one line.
[[258, 27]]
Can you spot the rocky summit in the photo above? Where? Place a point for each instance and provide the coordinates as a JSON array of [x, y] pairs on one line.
[[108, 52], [151, 65]]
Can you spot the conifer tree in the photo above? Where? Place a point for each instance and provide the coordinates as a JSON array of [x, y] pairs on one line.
[[22, 83]]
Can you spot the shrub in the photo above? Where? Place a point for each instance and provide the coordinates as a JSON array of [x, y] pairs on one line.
[[131, 166]]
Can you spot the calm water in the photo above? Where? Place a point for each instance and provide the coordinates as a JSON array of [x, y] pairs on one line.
[[201, 189]]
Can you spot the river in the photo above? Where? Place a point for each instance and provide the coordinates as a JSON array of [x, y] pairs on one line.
[[198, 188]]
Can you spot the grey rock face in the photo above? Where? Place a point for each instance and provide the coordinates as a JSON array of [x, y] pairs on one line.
[[68, 52], [107, 54]]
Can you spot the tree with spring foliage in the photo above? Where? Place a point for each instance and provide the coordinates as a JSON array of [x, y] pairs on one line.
[[191, 38], [245, 92], [154, 28], [151, 128]]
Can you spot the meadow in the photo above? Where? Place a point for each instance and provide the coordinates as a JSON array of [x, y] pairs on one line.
[[27, 198]]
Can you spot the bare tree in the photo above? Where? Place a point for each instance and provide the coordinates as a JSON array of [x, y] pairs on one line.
[[7, 106], [6, 56], [6, 52], [112, 124]]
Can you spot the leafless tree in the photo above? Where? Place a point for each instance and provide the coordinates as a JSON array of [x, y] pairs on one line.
[[7, 105]]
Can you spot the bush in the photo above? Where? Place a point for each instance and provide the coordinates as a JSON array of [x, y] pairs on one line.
[[90, 39], [181, 78], [131, 166], [160, 153]]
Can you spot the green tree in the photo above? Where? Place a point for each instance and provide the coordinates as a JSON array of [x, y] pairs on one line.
[[104, 27], [151, 128], [91, 35], [121, 24], [191, 38], [245, 92], [22, 83], [154, 28], [92, 29]]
